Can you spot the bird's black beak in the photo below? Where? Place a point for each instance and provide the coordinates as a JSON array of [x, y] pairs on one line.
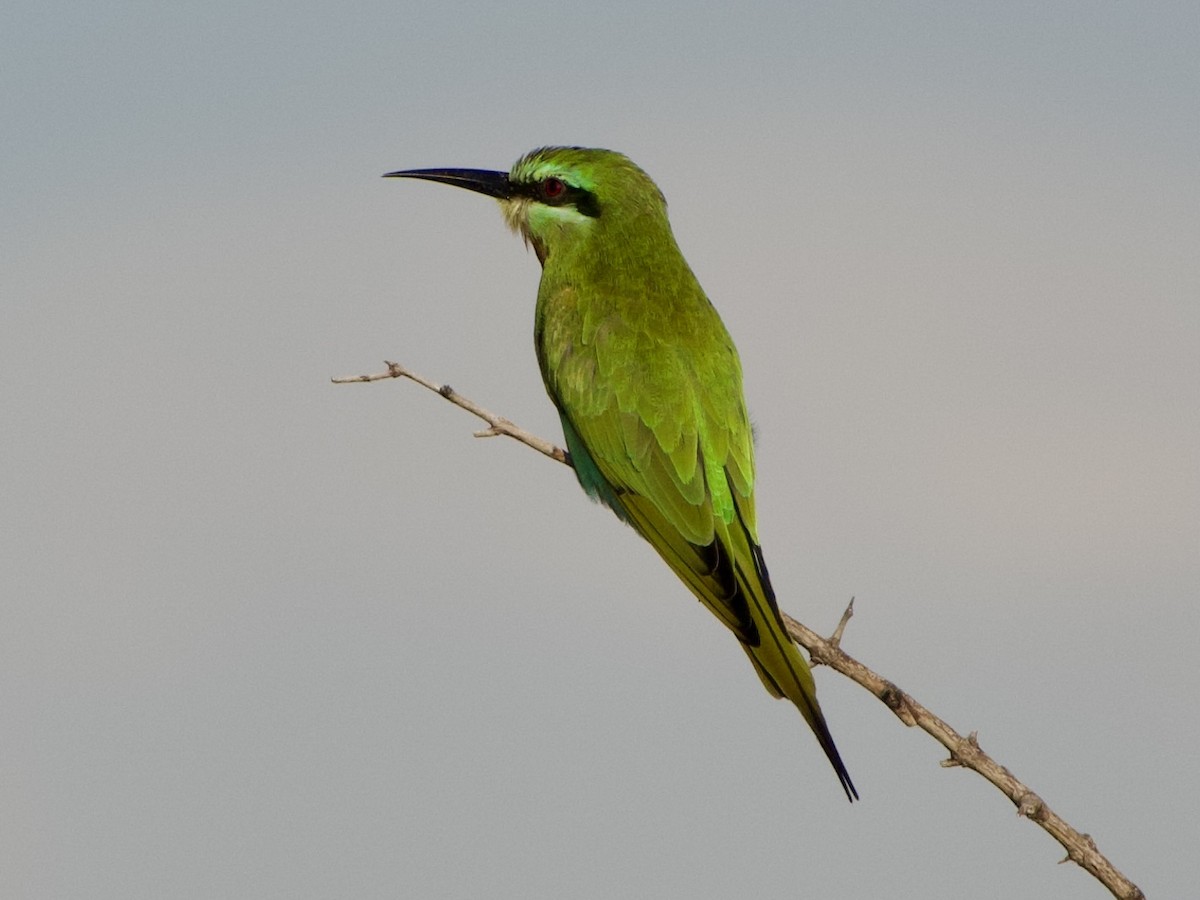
[[494, 184]]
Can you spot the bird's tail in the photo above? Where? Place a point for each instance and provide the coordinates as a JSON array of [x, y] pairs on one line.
[[780, 664], [728, 575]]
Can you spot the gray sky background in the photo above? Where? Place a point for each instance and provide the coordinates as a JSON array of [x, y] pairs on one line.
[[269, 637]]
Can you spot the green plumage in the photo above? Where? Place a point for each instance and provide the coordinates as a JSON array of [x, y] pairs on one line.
[[648, 385]]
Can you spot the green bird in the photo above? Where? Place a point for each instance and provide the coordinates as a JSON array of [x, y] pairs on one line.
[[648, 385]]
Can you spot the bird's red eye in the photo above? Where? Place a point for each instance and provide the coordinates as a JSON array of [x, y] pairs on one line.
[[553, 188]]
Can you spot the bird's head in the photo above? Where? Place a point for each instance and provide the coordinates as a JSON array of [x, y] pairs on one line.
[[558, 198]]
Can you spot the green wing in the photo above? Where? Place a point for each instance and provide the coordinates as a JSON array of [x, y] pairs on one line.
[[658, 431]]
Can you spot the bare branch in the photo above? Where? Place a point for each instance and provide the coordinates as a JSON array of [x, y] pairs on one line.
[[965, 752], [497, 425]]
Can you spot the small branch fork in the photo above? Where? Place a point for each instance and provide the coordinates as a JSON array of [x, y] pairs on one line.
[[965, 752]]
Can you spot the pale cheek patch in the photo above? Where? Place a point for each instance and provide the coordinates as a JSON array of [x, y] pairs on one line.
[[541, 219], [528, 218]]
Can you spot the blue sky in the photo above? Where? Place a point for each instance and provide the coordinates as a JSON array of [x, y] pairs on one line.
[[268, 636]]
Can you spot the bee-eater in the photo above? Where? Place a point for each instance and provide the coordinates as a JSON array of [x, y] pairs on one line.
[[648, 385]]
